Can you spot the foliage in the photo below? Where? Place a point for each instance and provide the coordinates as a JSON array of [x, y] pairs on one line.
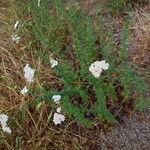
[[71, 36]]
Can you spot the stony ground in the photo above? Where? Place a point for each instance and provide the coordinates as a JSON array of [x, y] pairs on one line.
[[134, 134]]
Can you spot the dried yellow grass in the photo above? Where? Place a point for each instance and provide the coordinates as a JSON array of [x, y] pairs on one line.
[[35, 131], [141, 36]]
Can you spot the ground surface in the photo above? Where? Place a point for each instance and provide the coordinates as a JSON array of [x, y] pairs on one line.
[[133, 135]]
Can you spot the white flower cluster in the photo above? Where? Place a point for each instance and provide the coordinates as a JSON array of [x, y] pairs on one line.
[[15, 38], [29, 73], [29, 76], [16, 25], [56, 98], [39, 1], [24, 91], [58, 109], [3, 121], [58, 117], [53, 63], [97, 67]]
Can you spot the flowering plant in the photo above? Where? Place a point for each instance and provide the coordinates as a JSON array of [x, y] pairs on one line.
[[94, 75]]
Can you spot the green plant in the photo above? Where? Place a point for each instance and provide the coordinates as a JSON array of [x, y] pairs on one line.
[[116, 6], [71, 36]]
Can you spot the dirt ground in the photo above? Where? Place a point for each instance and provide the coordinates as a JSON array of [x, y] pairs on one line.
[[133, 135]]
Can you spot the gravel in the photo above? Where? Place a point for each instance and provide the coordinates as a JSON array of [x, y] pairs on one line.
[[133, 135]]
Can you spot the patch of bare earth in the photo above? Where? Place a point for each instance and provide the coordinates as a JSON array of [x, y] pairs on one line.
[[133, 135]]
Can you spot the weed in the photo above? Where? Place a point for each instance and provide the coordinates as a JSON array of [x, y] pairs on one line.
[[68, 33]]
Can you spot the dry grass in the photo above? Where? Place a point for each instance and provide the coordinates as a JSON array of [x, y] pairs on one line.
[[31, 127], [141, 36], [34, 130]]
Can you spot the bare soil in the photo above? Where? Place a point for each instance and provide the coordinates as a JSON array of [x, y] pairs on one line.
[[133, 135]]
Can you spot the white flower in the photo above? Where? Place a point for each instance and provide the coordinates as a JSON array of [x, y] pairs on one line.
[[29, 73], [16, 25], [24, 90], [15, 38], [53, 63], [58, 109], [6, 129], [97, 67], [104, 65], [3, 121], [39, 1], [58, 118], [56, 98]]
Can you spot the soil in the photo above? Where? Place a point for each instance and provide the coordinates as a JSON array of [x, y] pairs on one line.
[[134, 134]]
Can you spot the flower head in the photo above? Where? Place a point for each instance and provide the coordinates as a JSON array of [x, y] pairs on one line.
[[97, 67], [15, 38], [58, 118], [16, 25], [104, 65], [58, 109], [56, 98], [6, 129], [29, 73], [3, 121], [53, 63], [39, 1], [24, 90]]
